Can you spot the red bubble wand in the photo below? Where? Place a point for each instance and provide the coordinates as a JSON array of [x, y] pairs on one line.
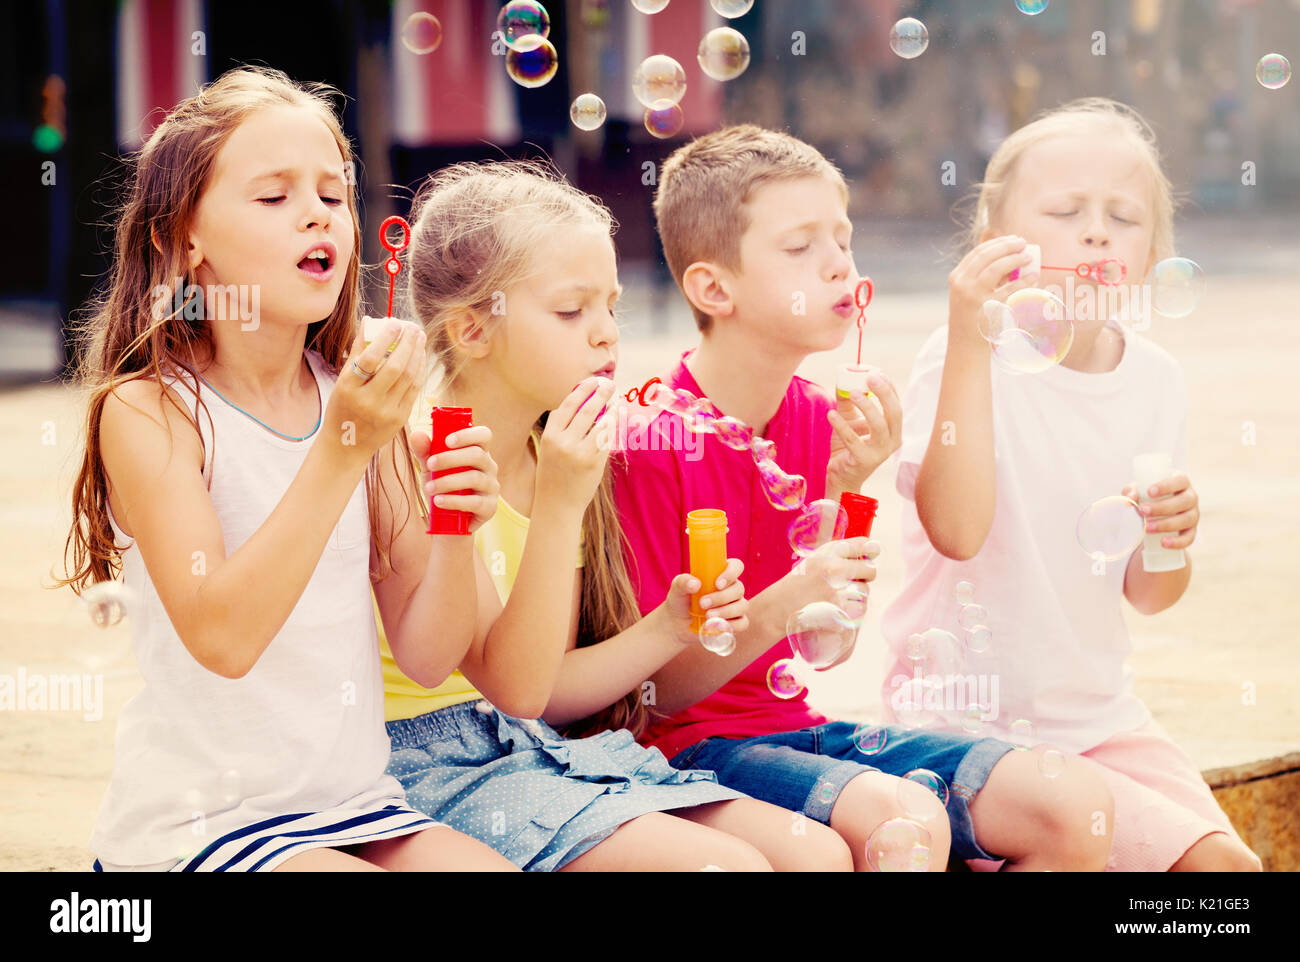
[[393, 265], [862, 295]]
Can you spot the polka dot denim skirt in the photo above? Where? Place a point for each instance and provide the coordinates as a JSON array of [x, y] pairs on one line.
[[539, 799]]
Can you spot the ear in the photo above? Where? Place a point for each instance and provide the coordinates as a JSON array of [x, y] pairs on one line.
[[707, 287], [469, 335]]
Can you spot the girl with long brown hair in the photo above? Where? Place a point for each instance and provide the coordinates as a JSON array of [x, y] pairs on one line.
[[513, 277], [257, 741]]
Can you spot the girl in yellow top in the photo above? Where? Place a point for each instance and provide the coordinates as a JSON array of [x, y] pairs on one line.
[[513, 277]]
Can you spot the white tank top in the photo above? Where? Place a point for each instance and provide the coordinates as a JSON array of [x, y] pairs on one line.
[[198, 755]]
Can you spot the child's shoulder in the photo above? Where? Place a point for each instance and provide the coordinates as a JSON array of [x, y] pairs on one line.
[[805, 392]]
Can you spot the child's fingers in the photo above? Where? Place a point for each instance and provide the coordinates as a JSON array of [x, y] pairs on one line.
[[562, 415], [845, 432], [724, 596], [732, 572], [1130, 491], [590, 409], [1181, 540], [479, 481], [890, 403], [978, 260], [472, 503], [421, 442], [872, 414], [730, 612], [1174, 484], [470, 457], [479, 434], [1175, 504], [1177, 522], [684, 584], [993, 277]]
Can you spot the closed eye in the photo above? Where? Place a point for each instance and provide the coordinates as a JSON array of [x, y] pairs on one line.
[[569, 315], [332, 200], [1123, 220], [1061, 213], [270, 200], [797, 250]]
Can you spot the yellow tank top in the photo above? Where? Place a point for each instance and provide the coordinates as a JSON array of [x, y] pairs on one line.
[[500, 543]]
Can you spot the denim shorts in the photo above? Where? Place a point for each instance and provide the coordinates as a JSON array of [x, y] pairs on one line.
[[539, 799], [805, 770]]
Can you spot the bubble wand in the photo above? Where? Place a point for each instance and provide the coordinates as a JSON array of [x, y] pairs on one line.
[[1109, 271]]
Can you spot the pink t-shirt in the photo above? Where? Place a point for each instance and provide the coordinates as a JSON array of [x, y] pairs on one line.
[[654, 489]]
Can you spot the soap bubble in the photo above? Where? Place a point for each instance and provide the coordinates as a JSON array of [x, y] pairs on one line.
[[819, 523], [964, 592], [782, 680], [701, 416], [532, 61], [820, 632], [522, 18], [587, 112], [1273, 71], [979, 639], [665, 121], [649, 6], [972, 719], [659, 82], [723, 53], [1052, 763], [942, 652], [915, 647], [783, 491], [1031, 7], [422, 33], [1033, 333], [972, 615], [1177, 286], [870, 739], [1020, 733], [107, 602], [908, 38], [826, 792], [922, 806], [1110, 528], [852, 600], [731, 8], [716, 636], [763, 449], [734, 433], [899, 845]]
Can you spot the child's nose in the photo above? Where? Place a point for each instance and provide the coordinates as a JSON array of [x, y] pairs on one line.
[[1095, 233]]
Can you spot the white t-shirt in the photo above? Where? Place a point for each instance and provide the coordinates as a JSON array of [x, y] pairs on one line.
[[1062, 440]]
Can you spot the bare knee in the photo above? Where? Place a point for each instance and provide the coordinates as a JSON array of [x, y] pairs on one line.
[[1219, 852], [1077, 815], [819, 849], [732, 854], [872, 798]]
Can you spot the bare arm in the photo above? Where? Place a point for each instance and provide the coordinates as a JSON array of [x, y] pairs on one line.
[[956, 484]]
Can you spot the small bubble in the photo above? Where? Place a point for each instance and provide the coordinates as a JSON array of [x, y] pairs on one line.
[[1110, 528], [1052, 763], [964, 592], [422, 33], [1031, 7], [819, 633], [1177, 286], [731, 8], [1273, 71], [782, 680], [1020, 733], [908, 38], [979, 639], [716, 636], [587, 112], [972, 616], [723, 53], [917, 791], [523, 18], [819, 523], [870, 739], [899, 845], [665, 121], [659, 82], [972, 719], [532, 61]]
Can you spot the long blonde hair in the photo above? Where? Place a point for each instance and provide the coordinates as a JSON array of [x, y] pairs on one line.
[[475, 230], [124, 341], [1095, 112]]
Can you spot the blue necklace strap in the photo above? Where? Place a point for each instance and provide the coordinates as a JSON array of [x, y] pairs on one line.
[[281, 434]]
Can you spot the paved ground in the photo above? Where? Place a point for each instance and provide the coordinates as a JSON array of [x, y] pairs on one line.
[[1231, 634]]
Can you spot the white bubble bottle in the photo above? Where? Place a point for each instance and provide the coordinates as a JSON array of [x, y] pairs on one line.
[[1149, 469]]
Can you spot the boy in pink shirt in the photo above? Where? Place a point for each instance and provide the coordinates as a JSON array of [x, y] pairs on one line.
[[754, 222]]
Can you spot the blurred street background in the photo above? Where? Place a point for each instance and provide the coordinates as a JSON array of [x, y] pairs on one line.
[[83, 83]]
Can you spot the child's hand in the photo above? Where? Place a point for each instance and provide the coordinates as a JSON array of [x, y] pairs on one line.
[[465, 449], [820, 576], [1177, 512], [572, 458], [365, 413], [980, 277], [727, 602], [862, 444]]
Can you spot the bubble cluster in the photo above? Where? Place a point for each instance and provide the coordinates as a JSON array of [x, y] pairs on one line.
[[870, 739], [908, 38], [723, 53], [587, 112], [819, 633], [422, 33], [899, 845], [972, 616], [716, 636], [1177, 286], [1273, 71], [532, 61], [522, 18], [1110, 528], [782, 680]]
